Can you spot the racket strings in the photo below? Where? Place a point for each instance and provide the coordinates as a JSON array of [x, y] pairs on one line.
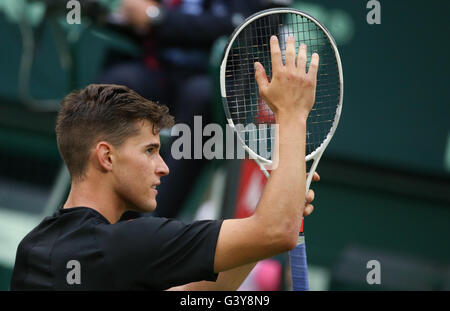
[[253, 45]]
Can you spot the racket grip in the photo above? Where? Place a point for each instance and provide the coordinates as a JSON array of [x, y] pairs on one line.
[[299, 268]]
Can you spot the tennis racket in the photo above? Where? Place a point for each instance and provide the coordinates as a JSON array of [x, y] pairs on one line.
[[252, 119]]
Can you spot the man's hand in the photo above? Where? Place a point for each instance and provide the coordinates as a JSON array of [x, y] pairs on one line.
[[284, 97], [309, 208]]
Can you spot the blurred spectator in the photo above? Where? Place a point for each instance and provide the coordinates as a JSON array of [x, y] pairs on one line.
[[177, 38]]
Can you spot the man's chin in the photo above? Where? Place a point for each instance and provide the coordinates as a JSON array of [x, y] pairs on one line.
[[144, 208]]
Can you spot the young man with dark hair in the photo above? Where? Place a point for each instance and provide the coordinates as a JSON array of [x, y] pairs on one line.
[[108, 137]]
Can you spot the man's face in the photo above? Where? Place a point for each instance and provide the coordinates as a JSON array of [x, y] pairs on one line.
[[138, 169]]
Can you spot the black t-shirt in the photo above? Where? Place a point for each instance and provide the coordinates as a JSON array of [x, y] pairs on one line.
[[78, 249]]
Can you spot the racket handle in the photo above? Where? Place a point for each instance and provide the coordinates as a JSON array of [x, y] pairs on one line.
[[299, 267]]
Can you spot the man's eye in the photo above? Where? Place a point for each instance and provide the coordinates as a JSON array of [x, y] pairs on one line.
[[150, 150]]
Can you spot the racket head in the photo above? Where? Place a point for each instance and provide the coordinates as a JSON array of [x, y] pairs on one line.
[[243, 106]]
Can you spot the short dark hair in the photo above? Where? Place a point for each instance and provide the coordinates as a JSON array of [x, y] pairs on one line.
[[102, 112]]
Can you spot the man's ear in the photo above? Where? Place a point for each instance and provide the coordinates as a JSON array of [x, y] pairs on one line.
[[103, 155]]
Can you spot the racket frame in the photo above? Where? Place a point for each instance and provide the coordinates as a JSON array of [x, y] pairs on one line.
[[317, 153]]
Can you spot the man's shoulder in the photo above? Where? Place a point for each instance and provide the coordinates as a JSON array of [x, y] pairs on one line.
[[46, 255], [65, 219], [73, 227]]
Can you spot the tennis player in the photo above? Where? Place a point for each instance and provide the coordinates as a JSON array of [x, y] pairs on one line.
[[108, 138]]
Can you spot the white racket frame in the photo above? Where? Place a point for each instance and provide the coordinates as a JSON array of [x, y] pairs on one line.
[[316, 154]]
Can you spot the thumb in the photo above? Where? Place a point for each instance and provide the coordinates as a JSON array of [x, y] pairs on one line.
[[260, 76]]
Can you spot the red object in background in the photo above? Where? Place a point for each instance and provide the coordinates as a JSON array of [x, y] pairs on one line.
[[251, 185], [265, 115], [267, 274]]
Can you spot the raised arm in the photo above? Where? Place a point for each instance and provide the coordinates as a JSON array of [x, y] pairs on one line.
[[233, 278], [274, 226]]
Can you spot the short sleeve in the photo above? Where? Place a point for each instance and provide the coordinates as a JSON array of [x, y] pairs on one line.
[[159, 253]]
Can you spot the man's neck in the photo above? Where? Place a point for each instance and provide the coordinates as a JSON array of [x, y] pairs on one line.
[[97, 197]]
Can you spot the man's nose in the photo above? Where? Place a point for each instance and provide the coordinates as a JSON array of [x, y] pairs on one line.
[[162, 169]]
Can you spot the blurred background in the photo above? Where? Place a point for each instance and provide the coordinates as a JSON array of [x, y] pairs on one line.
[[384, 192]]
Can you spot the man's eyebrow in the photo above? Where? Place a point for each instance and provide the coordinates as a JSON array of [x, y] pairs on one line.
[[153, 145]]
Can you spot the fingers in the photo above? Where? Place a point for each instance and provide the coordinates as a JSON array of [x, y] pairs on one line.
[[290, 52], [260, 76], [314, 66], [301, 58], [308, 210], [316, 176], [275, 53], [310, 196]]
